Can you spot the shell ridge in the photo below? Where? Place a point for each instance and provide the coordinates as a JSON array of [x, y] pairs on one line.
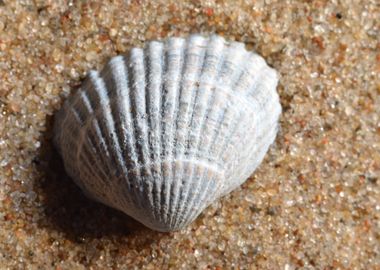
[[251, 153], [83, 132], [87, 170], [197, 180], [83, 156], [135, 179], [259, 157], [185, 204], [240, 120], [138, 101], [175, 60], [260, 137], [73, 119], [82, 97], [194, 61], [237, 137], [92, 101], [199, 199], [90, 162], [252, 83], [67, 143], [88, 131], [229, 118], [176, 167], [239, 143], [152, 180], [226, 76], [202, 199], [252, 71], [220, 60], [176, 114], [130, 159], [59, 125], [99, 132], [123, 79], [229, 111], [112, 76], [108, 124], [102, 96], [258, 153], [138, 98], [267, 73], [232, 137], [155, 62], [198, 129], [162, 184], [262, 93], [256, 88], [195, 55]]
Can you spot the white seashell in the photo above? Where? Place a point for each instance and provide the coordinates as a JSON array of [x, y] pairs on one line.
[[163, 132]]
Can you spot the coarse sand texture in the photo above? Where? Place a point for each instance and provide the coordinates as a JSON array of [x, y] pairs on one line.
[[314, 201]]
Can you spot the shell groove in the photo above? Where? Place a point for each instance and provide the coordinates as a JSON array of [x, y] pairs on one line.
[[164, 131]]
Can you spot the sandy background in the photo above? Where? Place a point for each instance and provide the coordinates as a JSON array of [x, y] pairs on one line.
[[314, 203]]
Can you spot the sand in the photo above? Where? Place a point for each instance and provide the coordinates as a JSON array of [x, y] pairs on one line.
[[314, 203]]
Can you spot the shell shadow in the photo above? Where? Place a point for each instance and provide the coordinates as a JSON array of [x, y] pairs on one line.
[[68, 210]]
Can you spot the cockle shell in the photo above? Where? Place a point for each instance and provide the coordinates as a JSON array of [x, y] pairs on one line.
[[164, 131]]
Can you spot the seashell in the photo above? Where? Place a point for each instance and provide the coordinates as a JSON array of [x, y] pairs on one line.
[[166, 130]]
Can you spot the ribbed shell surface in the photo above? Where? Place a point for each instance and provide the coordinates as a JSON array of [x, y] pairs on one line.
[[164, 131]]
